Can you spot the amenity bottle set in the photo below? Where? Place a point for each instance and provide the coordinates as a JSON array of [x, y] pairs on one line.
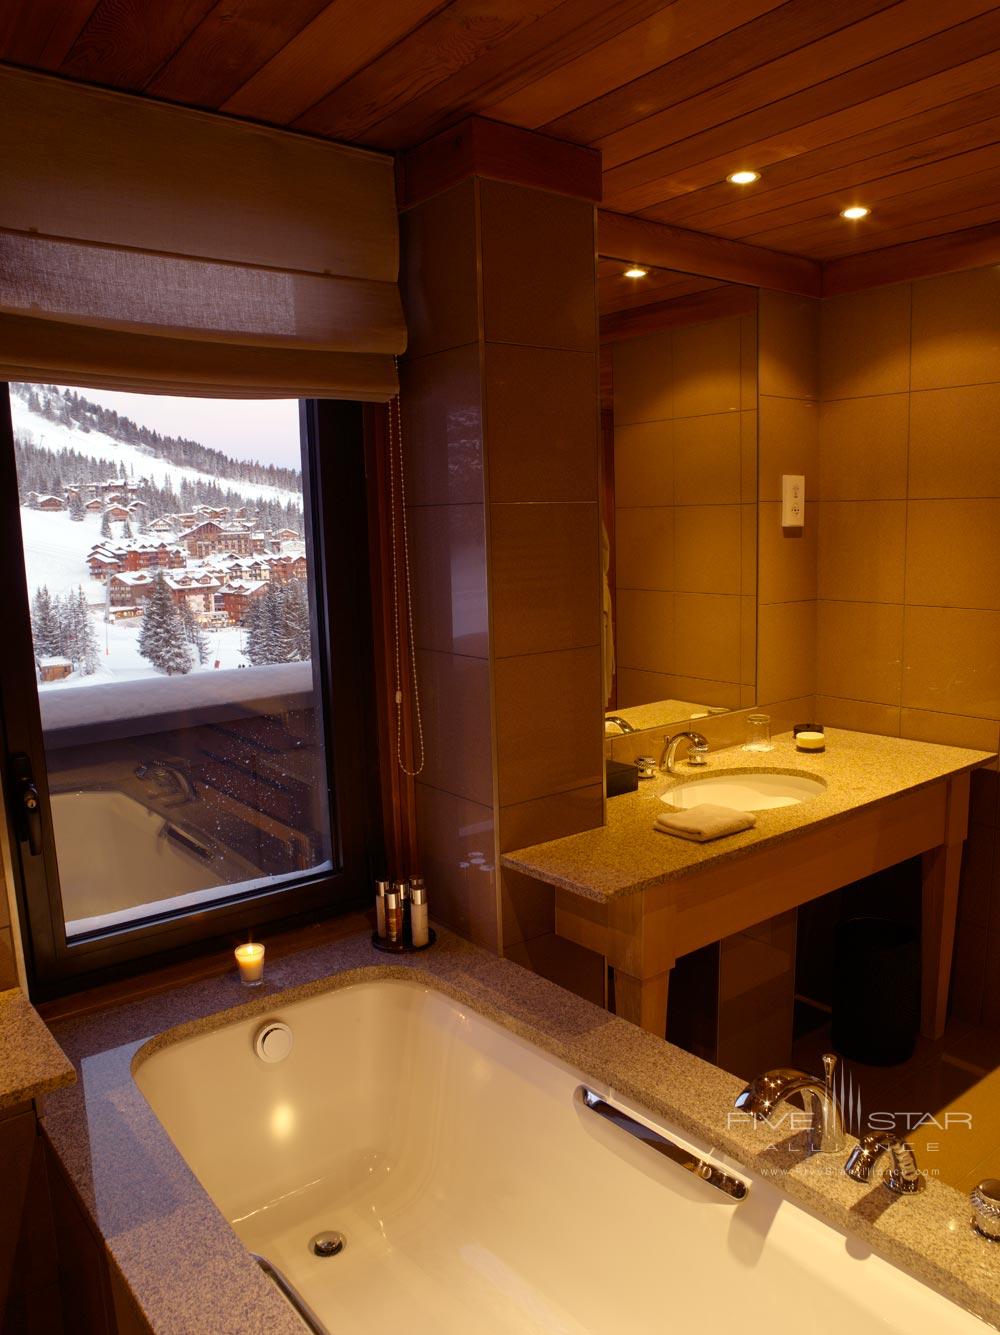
[[401, 916]]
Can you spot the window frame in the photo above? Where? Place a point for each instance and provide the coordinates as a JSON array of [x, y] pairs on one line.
[[335, 498]]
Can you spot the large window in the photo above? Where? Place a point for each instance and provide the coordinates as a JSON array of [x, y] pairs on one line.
[[175, 750]]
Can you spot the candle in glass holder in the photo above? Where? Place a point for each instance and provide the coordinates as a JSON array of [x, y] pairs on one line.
[[250, 959]]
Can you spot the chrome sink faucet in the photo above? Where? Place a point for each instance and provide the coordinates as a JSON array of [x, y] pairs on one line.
[[696, 755], [773, 1088], [902, 1176]]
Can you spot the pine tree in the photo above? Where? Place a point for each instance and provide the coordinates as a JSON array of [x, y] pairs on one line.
[[196, 637], [162, 639], [46, 631], [263, 626], [77, 639], [106, 526], [127, 530], [297, 622], [76, 510]]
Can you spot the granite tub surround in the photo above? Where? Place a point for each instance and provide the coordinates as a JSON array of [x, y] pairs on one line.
[[31, 1061], [188, 1273], [627, 855]]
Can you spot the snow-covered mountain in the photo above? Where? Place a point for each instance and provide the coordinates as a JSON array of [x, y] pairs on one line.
[[132, 460]]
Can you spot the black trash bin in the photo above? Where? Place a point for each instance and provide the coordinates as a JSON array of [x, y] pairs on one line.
[[876, 991]]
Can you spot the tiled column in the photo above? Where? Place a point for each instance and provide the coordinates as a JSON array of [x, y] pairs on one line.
[[499, 392]]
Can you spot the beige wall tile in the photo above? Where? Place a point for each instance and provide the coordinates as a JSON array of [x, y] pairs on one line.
[[969, 973], [567, 965], [644, 629], [953, 442], [527, 907], [748, 456], [786, 651], [455, 695], [748, 549], [991, 993], [448, 559], [951, 553], [643, 379], [450, 830], [549, 723], [636, 687], [644, 548], [441, 398], [702, 691], [748, 362], [789, 345], [977, 876], [863, 448], [707, 636], [439, 272], [952, 661], [865, 343], [538, 267], [707, 549], [787, 557], [545, 577], [956, 329], [862, 545], [707, 368], [644, 464], [857, 715], [787, 442], [707, 460], [8, 964], [978, 734], [552, 817], [541, 424], [859, 649], [748, 641]]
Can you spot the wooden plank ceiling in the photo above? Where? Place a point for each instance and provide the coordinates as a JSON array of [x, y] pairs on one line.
[[893, 104]]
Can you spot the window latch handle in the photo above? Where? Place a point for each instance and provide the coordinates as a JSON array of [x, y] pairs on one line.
[[30, 814]]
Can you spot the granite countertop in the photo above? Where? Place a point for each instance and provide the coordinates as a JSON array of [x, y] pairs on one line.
[[31, 1061], [188, 1272], [627, 855]]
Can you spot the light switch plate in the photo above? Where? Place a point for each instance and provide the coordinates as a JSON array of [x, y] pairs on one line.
[[793, 500]]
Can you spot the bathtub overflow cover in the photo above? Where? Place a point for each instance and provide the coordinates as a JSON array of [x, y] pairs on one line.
[[273, 1041], [329, 1243]]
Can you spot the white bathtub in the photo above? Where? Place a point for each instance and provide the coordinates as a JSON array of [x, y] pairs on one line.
[[479, 1195]]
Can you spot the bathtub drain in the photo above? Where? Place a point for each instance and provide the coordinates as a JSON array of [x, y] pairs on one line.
[[328, 1243]]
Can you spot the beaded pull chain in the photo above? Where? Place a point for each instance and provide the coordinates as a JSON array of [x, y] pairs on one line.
[[396, 464]]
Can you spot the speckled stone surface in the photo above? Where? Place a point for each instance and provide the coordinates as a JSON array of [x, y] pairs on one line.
[[189, 1273], [627, 854], [659, 714], [31, 1061]]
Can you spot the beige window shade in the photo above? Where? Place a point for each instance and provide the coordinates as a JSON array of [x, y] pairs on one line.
[[152, 247]]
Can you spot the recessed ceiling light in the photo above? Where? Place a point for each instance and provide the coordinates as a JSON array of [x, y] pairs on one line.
[[855, 211], [743, 177], [636, 272]]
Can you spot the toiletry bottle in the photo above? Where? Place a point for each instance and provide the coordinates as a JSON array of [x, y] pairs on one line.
[[419, 925], [393, 918], [402, 888], [380, 891]]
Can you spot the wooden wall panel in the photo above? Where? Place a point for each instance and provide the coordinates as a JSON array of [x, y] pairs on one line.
[[884, 98]]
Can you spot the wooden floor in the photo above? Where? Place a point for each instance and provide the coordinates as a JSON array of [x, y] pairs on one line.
[[953, 1081]]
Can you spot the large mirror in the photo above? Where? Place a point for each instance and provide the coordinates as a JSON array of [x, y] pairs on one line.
[[679, 431]]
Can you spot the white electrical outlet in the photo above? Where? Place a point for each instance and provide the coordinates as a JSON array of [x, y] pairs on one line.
[[793, 500]]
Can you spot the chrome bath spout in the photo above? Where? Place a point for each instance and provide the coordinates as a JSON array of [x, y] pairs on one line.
[[772, 1089]]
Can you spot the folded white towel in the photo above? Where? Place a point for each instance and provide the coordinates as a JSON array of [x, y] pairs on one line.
[[704, 822]]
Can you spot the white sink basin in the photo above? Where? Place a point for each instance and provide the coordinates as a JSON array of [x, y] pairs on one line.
[[745, 792]]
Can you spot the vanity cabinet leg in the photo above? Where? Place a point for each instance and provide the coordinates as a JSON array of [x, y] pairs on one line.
[[941, 869], [643, 1001]]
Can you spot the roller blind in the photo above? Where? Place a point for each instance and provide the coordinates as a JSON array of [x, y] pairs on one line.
[[146, 246]]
